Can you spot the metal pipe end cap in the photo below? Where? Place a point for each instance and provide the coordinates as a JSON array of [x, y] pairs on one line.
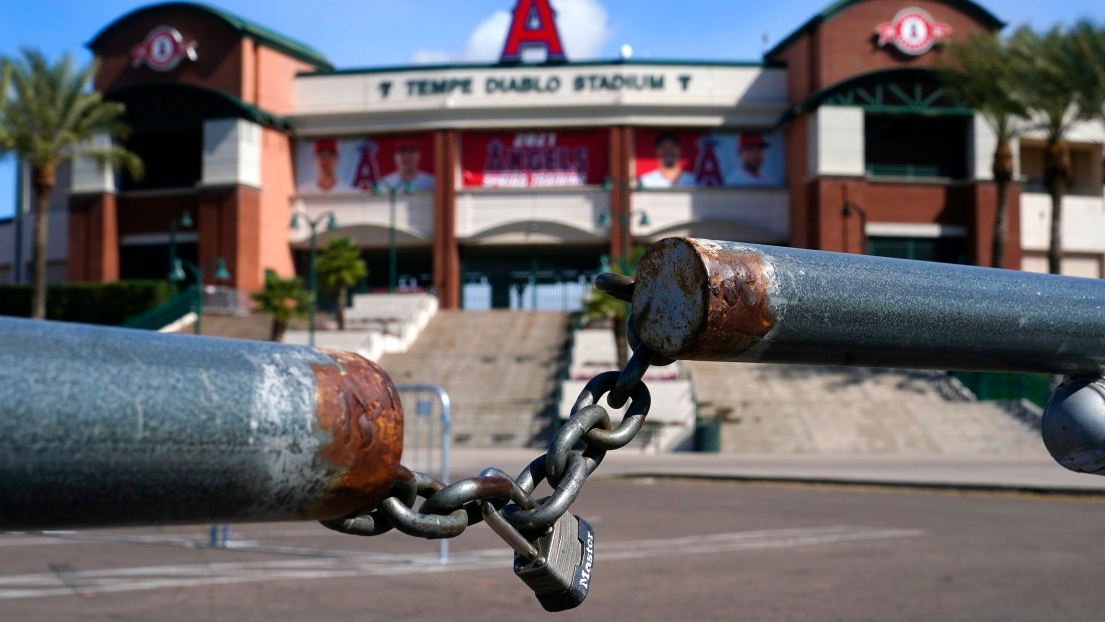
[[669, 300], [1073, 427]]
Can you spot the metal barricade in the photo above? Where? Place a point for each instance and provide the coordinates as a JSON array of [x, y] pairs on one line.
[[426, 435], [222, 300]]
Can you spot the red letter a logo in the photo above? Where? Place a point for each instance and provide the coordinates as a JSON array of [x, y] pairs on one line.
[[707, 170], [533, 26]]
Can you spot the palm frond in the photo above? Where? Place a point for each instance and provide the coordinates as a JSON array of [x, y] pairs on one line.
[[340, 264], [983, 73], [50, 114]]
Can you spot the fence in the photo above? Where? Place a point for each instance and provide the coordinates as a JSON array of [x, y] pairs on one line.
[[225, 300], [989, 386], [426, 423]]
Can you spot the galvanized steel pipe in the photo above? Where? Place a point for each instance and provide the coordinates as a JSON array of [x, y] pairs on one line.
[[727, 301], [105, 426]]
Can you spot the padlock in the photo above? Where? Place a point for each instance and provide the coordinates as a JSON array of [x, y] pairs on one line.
[[557, 564]]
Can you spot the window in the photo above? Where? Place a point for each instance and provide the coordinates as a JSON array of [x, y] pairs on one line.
[[914, 146], [173, 158], [1084, 158], [944, 250], [151, 261]]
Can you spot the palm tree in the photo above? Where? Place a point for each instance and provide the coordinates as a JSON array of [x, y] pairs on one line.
[[283, 299], [597, 306], [49, 115], [1089, 50], [983, 74], [340, 267], [1053, 82]]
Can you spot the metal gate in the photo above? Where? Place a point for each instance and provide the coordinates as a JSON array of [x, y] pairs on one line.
[[427, 420]]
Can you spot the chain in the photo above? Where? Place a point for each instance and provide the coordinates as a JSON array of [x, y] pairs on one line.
[[449, 509]]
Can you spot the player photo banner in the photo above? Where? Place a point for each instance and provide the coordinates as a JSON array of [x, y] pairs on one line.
[[693, 158], [534, 159], [350, 165]]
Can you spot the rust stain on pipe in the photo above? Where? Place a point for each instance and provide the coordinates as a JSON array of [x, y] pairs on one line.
[[696, 300], [359, 406], [737, 310]]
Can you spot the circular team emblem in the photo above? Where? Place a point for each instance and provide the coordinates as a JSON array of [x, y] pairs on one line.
[[163, 49], [912, 31]]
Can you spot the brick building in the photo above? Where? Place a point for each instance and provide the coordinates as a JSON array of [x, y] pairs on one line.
[[505, 185]]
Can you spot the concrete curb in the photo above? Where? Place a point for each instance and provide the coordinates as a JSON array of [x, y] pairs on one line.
[[862, 483]]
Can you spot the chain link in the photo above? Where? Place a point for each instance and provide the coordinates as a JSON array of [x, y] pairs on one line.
[[449, 509]]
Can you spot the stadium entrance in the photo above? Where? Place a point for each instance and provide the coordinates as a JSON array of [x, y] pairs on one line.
[[533, 278]]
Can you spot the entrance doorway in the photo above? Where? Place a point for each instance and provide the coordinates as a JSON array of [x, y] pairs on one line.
[[527, 278]]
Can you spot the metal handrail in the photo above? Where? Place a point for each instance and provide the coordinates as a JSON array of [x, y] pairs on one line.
[[164, 314], [107, 426], [706, 300], [709, 300]]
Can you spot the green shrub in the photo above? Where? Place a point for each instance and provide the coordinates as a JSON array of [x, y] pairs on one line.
[[90, 303]]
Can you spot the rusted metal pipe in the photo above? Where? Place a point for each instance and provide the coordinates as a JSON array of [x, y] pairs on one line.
[[726, 301], [105, 426]]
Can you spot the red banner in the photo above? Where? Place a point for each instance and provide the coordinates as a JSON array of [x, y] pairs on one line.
[[534, 159], [689, 158], [361, 163]]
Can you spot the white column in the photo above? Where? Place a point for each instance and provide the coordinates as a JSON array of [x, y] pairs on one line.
[[91, 176], [231, 152], [835, 141]]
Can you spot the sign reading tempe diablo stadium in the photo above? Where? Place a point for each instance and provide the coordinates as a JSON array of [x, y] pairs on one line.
[[533, 27]]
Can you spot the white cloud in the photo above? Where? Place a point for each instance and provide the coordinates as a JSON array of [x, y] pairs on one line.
[[423, 56], [584, 27], [486, 42]]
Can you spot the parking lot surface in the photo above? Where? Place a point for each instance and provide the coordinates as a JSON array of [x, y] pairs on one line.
[[666, 550]]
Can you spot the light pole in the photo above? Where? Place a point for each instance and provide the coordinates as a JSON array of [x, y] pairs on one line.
[[623, 186], [184, 221], [313, 223], [393, 270], [605, 220], [177, 274]]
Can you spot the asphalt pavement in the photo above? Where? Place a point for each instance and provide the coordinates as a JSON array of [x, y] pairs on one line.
[[667, 549]]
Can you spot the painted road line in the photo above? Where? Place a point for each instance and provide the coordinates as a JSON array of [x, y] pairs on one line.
[[67, 582]]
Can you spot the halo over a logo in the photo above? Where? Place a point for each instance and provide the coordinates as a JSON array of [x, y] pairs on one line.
[[163, 49], [912, 31]]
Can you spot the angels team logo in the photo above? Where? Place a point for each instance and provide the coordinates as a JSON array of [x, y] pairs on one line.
[[163, 49], [707, 169], [533, 25], [367, 176], [912, 31]]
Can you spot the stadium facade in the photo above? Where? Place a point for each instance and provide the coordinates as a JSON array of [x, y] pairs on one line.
[[496, 183]]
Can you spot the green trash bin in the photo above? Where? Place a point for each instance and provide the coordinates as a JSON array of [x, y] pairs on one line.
[[707, 435]]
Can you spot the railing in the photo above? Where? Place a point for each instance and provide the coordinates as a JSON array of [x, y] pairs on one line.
[[726, 301], [1036, 388], [166, 313], [1037, 186], [904, 170], [427, 424], [110, 427], [223, 300]]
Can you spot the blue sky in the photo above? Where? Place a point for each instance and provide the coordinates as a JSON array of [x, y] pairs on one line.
[[369, 33]]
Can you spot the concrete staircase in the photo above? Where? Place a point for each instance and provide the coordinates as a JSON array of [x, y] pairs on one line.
[[500, 368], [256, 326], [671, 418], [805, 409]]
